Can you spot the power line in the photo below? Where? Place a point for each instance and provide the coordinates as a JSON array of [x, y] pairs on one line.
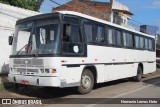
[[48, 4], [55, 2]]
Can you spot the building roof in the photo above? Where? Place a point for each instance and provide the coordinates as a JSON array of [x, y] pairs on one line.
[[119, 7], [85, 1], [123, 11], [96, 2]]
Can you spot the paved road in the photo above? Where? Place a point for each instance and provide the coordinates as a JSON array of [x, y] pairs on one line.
[[126, 88]]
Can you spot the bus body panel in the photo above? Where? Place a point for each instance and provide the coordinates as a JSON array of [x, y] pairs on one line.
[[118, 63]]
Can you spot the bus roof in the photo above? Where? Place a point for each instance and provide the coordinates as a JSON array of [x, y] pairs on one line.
[[103, 21]]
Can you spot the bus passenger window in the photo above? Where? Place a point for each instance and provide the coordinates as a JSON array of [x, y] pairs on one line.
[[72, 42], [99, 35], [119, 37], [146, 43], [128, 39], [124, 39], [141, 42], [137, 41], [111, 36], [88, 29], [67, 33], [150, 45]]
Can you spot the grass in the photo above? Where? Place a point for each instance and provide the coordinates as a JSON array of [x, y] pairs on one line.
[[1, 86], [6, 85]]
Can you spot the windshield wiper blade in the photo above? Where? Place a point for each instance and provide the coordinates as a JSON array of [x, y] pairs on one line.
[[21, 49], [35, 55]]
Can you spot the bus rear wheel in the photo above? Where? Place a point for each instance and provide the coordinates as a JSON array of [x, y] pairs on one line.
[[138, 77], [86, 83]]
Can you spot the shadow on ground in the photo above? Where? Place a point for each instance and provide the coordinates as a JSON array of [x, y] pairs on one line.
[[51, 93], [154, 81]]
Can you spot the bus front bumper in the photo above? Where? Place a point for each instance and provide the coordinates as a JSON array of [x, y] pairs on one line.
[[51, 81]]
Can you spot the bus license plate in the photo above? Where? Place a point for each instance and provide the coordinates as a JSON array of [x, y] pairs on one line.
[[25, 82]]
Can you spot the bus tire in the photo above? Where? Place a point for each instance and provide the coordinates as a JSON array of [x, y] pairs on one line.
[[86, 83], [138, 77]]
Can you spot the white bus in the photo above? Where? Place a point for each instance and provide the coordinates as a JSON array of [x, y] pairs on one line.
[[70, 49]]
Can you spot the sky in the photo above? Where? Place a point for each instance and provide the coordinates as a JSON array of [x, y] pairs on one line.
[[145, 11]]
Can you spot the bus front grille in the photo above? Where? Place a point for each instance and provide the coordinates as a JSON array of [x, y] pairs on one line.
[[28, 62]]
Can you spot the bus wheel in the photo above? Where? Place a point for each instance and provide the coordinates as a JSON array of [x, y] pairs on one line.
[[87, 82], [138, 77]]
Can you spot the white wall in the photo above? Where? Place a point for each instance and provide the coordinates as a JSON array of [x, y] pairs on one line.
[[8, 17], [5, 50]]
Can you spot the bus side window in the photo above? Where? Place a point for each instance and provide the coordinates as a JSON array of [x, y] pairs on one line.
[[137, 41], [94, 33], [88, 29], [128, 40], [67, 33], [146, 43], [141, 42], [99, 34], [124, 39], [119, 38], [151, 48], [111, 36], [72, 42]]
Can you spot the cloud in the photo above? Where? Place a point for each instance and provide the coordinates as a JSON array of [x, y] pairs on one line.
[[154, 4]]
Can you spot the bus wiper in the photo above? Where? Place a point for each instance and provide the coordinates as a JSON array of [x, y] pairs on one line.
[[21, 49], [35, 55]]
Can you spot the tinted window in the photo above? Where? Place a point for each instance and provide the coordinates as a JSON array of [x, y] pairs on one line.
[[127, 39], [119, 37], [71, 33], [111, 36], [141, 42], [94, 32], [137, 41], [124, 39], [146, 43], [72, 42], [150, 44], [88, 29], [99, 34]]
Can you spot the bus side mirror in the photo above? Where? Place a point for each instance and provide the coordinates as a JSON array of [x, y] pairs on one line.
[[10, 40]]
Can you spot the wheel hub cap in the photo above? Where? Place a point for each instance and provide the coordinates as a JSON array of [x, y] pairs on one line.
[[86, 81]]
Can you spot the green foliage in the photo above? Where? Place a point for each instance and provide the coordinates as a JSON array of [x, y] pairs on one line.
[[6, 85], [26, 4]]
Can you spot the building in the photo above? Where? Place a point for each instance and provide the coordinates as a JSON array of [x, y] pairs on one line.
[[112, 11], [8, 17]]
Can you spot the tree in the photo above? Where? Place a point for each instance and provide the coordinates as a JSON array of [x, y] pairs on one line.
[[26, 4]]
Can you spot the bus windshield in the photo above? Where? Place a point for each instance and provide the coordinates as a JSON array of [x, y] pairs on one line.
[[35, 38]]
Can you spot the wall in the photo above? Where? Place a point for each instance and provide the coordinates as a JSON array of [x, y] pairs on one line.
[[8, 17], [5, 50]]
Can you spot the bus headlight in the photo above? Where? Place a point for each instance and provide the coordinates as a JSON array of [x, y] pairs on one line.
[[42, 70], [12, 69], [46, 70]]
